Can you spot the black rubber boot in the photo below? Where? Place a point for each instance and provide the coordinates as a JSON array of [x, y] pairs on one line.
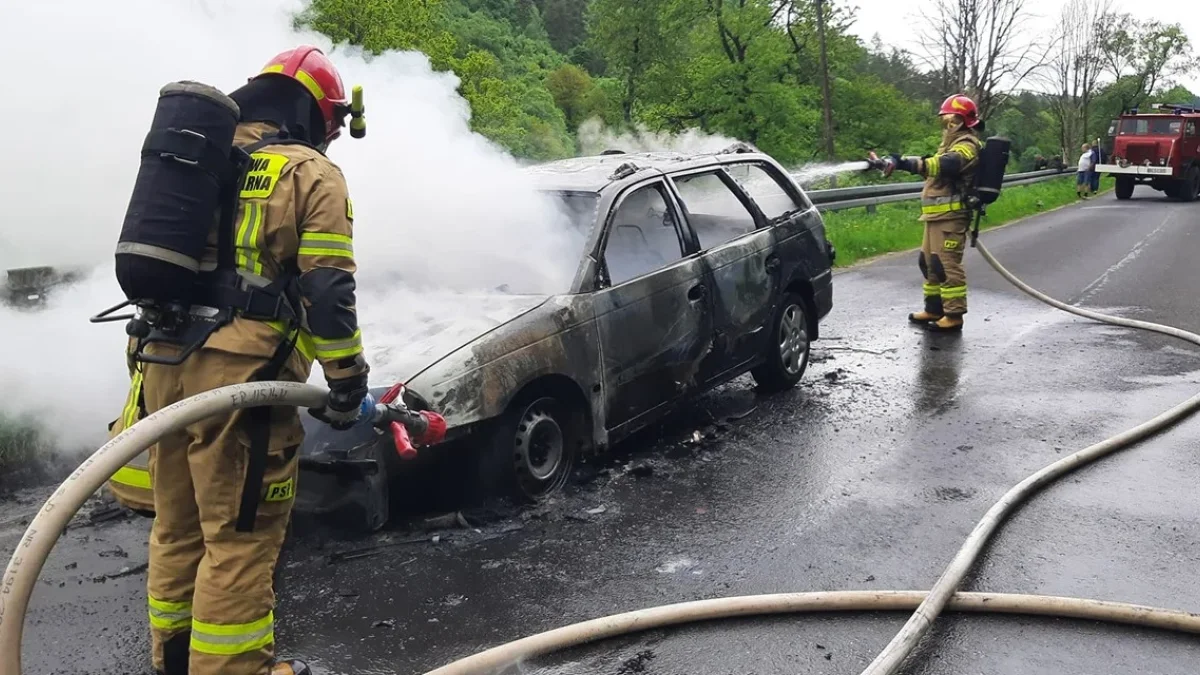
[[290, 667], [175, 654]]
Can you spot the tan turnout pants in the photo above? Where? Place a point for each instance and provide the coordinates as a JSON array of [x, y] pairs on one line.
[[941, 261], [210, 586]]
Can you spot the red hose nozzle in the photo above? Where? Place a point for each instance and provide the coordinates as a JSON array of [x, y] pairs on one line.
[[435, 428]]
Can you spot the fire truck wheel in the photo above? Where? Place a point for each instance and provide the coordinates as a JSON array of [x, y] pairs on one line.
[[1190, 186], [1124, 188]]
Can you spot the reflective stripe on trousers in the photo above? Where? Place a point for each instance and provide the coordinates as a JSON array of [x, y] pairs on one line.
[[234, 638], [170, 616], [953, 292]]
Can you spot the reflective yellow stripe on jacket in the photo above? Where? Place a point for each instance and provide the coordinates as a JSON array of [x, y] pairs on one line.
[[249, 230], [304, 343], [338, 349], [965, 149], [129, 416], [936, 205], [234, 638], [133, 477], [323, 243]]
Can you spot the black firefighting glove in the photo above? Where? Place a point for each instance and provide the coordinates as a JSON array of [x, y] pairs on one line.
[[345, 398], [885, 164]]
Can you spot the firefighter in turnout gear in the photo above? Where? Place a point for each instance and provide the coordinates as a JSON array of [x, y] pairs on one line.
[[224, 486], [948, 174]]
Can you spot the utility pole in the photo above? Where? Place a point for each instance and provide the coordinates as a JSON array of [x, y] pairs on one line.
[[829, 153]]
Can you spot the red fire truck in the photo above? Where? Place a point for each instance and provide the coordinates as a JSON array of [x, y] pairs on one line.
[[1159, 148]]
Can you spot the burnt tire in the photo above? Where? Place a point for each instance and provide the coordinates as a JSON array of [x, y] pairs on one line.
[[1124, 187], [532, 449], [789, 347]]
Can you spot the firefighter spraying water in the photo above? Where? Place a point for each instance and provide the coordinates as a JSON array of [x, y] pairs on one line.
[[961, 178]]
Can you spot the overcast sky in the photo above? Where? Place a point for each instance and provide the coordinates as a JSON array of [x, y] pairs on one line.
[[899, 22]]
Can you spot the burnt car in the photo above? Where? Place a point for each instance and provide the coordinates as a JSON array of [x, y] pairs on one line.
[[696, 269]]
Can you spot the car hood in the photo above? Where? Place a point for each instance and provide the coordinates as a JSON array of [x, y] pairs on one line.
[[407, 331]]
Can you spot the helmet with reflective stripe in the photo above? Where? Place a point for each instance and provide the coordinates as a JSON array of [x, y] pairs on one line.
[[309, 66], [962, 106]]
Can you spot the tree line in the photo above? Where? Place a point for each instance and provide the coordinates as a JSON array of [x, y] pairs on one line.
[[537, 72]]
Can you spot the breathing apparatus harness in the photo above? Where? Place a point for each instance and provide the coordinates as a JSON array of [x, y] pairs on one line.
[[192, 174], [191, 309], [988, 180]]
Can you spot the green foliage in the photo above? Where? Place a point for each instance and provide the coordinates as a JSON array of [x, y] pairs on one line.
[[534, 71], [379, 25], [499, 49]]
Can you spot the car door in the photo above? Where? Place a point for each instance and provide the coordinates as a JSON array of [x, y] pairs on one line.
[[652, 305], [738, 249]]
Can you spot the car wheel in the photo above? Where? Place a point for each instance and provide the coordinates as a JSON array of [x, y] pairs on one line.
[[788, 351], [1124, 187], [533, 449]]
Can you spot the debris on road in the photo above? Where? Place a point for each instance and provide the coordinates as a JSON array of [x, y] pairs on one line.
[[637, 664], [836, 374], [376, 549], [446, 521], [127, 571], [641, 470]]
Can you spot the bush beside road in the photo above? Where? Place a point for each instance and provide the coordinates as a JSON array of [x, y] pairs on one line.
[[859, 235]]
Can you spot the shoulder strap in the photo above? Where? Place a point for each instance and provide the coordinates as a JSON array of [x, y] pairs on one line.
[[231, 189]]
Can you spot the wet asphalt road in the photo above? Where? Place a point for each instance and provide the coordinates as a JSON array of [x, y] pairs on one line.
[[868, 476]]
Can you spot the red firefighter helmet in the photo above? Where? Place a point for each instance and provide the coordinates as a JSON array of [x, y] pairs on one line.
[[962, 106], [311, 68]]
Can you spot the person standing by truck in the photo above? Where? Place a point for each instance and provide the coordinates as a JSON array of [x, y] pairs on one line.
[[1083, 178], [1097, 160]]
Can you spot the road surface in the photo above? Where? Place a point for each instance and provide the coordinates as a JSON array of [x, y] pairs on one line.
[[868, 476]]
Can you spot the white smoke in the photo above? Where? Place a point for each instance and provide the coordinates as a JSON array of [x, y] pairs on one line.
[[595, 138], [436, 206]]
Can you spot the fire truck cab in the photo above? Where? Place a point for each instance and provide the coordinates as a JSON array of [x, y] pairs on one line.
[[1160, 148]]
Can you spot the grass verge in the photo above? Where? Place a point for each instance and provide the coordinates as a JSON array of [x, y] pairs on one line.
[[859, 235]]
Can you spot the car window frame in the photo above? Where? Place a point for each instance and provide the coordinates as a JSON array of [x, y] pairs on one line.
[[687, 245], [784, 181], [760, 221]]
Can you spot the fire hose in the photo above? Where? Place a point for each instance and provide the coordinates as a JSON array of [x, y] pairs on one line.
[[31, 552], [388, 415]]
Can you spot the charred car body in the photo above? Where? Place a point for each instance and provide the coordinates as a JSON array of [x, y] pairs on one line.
[[696, 269]]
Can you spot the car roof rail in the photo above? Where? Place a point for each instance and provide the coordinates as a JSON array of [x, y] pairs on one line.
[[613, 151], [624, 171], [738, 148]]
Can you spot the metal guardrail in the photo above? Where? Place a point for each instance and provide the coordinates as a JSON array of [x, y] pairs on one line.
[[872, 195]]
